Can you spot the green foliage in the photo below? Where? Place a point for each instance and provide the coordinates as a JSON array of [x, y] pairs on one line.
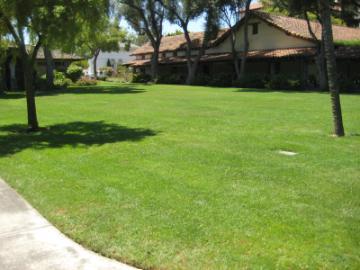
[[74, 72], [60, 80], [106, 71], [350, 43], [82, 63], [174, 78], [141, 78], [124, 73], [221, 79], [252, 81], [202, 79], [283, 82]]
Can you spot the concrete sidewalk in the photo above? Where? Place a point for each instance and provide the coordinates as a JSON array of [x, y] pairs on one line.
[[28, 241]]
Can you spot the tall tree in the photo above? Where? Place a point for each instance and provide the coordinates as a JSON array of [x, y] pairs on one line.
[[246, 38], [328, 41], [43, 20], [182, 13], [92, 42], [146, 17], [231, 16]]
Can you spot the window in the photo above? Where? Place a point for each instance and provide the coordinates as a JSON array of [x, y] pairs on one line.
[[255, 28], [175, 54], [143, 57]]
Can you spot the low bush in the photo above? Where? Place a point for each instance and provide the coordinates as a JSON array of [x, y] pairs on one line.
[[221, 80], [60, 80], [201, 79], [74, 72], [171, 79], [82, 63], [106, 72], [349, 84], [141, 78], [283, 82], [86, 81], [251, 81]]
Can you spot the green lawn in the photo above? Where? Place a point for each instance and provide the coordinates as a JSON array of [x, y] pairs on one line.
[[176, 177]]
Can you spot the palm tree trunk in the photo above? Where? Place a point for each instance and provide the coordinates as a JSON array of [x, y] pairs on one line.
[[328, 42]]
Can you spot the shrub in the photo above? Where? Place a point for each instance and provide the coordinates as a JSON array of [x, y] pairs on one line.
[[201, 79], [86, 81], [106, 72], [82, 63], [124, 73], [171, 79], [221, 79], [251, 81], [74, 72], [283, 82], [349, 84], [60, 80], [141, 78]]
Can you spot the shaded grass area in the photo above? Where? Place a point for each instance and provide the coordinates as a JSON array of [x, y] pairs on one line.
[[179, 177]]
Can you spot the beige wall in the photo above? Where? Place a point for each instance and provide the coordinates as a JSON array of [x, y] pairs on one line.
[[268, 37]]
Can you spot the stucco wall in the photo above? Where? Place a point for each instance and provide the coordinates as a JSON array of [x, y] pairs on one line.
[[268, 37]]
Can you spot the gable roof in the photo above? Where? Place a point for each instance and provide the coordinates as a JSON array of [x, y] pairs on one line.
[[291, 26]]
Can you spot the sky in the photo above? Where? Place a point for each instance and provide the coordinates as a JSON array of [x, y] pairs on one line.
[[194, 26]]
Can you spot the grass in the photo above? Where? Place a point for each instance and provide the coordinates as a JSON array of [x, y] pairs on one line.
[[176, 177]]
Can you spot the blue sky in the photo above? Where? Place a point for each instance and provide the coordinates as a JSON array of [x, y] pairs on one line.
[[194, 26]]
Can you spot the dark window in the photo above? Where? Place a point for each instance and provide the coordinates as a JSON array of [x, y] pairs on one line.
[[255, 28], [143, 57], [175, 53]]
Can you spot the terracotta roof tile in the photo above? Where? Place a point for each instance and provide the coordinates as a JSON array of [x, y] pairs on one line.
[[173, 43], [299, 27]]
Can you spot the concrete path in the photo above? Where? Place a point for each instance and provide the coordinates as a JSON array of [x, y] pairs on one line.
[[28, 241]]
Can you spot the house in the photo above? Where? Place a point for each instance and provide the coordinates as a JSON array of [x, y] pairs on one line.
[[111, 59], [278, 45], [13, 70]]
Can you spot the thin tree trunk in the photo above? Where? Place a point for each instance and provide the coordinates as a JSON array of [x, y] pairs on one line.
[[96, 54], [235, 56], [246, 40], [33, 124], [49, 67], [155, 63], [331, 68]]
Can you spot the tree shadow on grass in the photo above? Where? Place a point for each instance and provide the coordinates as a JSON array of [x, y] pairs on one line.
[[96, 89], [256, 90], [13, 139]]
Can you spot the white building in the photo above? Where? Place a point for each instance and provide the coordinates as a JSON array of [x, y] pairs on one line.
[[114, 59]]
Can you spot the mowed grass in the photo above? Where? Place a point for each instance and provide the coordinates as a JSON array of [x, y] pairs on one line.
[[177, 177]]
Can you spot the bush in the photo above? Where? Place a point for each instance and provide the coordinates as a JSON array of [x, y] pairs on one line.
[[251, 81], [74, 72], [221, 79], [106, 72], [141, 78], [60, 80], [86, 81], [201, 79], [347, 84], [82, 63], [283, 82], [171, 79], [124, 73]]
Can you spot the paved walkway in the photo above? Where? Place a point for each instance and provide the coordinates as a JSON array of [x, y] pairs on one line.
[[28, 241]]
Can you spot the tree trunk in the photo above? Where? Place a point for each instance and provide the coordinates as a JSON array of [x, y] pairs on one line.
[[328, 42], [235, 54], [33, 124], [96, 54], [155, 63], [49, 67], [246, 40]]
